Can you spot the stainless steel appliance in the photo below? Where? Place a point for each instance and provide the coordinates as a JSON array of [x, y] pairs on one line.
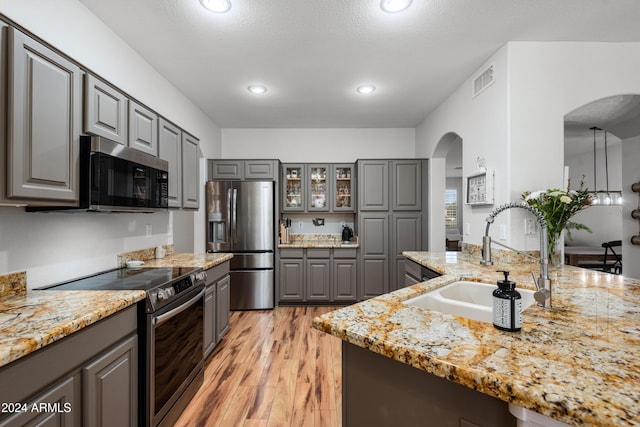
[[115, 178], [170, 335], [240, 220]]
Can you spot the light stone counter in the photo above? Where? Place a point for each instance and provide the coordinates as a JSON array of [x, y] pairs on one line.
[[32, 319], [578, 362], [319, 241]]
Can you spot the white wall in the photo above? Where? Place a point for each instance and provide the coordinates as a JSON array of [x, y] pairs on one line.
[[517, 124], [630, 226], [318, 145], [56, 247], [482, 124]]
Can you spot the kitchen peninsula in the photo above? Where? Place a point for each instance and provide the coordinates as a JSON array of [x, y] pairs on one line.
[[577, 362]]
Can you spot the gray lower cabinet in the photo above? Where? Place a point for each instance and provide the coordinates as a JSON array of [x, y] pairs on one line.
[[407, 396], [374, 254], [318, 280], [291, 279], [326, 275], [216, 306], [406, 232], [143, 129], [43, 124], [223, 307], [105, 110], [190, 172], [88, 378], [345, 277]]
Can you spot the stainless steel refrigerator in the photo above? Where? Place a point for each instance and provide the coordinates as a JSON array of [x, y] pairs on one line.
[[240, 220]]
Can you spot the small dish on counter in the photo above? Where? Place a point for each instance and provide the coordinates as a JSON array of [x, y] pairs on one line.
[[134, 264]]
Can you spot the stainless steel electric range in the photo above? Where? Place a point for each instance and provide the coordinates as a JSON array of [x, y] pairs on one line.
[[170, 332]]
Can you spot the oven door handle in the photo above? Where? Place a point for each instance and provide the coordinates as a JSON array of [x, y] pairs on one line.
[[169, 314]]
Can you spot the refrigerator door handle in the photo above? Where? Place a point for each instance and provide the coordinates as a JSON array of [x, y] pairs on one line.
[[235, 215], [229, 218]]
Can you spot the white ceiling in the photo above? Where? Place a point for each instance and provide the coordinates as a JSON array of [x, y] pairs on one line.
[[311, 54]]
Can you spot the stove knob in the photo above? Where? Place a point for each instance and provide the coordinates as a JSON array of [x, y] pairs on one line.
[[163, 295], [201, 276]]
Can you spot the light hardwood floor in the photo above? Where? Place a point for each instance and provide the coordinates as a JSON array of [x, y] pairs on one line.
[[271, 369]]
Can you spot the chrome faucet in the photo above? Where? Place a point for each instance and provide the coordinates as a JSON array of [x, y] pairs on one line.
[[543, 283]]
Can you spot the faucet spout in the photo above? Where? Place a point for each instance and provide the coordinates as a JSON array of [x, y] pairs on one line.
[[543, 283]]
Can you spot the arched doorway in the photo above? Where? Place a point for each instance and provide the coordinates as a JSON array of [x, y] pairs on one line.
[[446, 179]]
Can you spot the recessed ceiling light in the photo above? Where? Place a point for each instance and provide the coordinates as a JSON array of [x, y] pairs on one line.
[[258, 89], [393, 6], [218, 6], [365, 89]]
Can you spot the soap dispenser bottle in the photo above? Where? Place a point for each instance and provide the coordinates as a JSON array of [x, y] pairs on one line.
[[507, 305]]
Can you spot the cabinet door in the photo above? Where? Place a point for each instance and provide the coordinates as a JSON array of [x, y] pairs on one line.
[[293, 188], [110, 389], [105, 110], [223, 293], [406, 232], [170, 149], [226, 169], [318, 189], [345, 280], [343, 188], [318, 280], [374, 254], [143, 129], [209, 320], [260, 169], [43, 123], [62, 395], [373, 185], [406, 185], [291, 279], [190, 172]]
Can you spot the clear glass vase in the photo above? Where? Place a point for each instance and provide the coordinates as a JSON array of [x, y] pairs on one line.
[[555, 250]]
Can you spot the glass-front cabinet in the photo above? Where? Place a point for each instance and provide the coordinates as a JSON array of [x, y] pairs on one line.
[[343, 188], [293, 180], [319, 187]]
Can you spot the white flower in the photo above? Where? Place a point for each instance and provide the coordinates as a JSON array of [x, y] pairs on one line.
[[556, 193], [565, 199], [534, 195]]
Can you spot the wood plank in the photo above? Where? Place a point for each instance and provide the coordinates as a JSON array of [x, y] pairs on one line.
[[272, 369]]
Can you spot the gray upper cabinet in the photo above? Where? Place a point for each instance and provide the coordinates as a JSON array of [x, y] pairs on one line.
[[226, 169], [243, 169], [105, 110], [170, 149], [44, 93], [343, 186], [373, 185], [406, 185], [143, 129], [190, 172]]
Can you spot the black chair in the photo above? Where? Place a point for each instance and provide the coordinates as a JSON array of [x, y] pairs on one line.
[[611, 262]]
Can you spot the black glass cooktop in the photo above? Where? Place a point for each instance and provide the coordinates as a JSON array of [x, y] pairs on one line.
[[145, 278]]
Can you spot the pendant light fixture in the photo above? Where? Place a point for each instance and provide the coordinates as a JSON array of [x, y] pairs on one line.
[[606, 197]]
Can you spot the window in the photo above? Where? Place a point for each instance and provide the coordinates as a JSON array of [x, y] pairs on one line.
[[451, 207]]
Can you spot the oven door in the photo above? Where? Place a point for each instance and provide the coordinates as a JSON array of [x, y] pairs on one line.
[[175, 355]]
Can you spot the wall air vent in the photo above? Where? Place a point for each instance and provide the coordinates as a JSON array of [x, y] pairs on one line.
[[483, 81]]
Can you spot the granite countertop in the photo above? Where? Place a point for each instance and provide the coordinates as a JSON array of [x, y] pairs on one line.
[[32, 319], [577, 362], [318, 241], [38, 318], [204, 261]]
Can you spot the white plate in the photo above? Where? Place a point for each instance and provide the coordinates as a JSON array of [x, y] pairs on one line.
[[134, 263]]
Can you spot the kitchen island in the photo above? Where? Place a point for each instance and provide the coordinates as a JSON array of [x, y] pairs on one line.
[[577, 362]]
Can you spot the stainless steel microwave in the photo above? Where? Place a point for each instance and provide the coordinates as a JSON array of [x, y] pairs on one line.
[[115, 178]]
